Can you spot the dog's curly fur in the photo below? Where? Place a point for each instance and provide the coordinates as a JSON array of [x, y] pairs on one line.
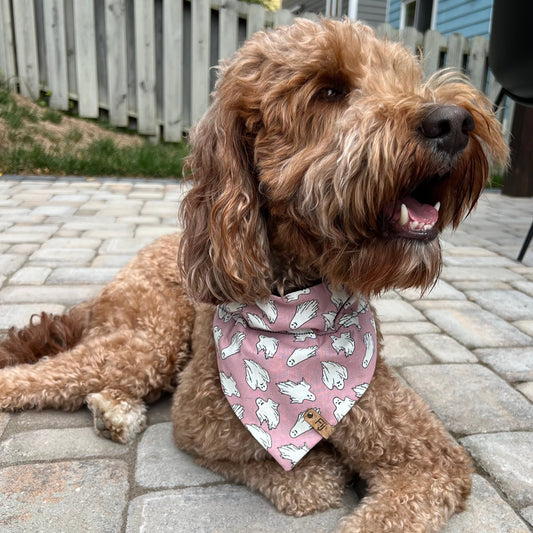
[[316, 135], [125, 346]]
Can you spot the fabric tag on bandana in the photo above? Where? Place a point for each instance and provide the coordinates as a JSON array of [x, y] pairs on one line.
[[312, 351]]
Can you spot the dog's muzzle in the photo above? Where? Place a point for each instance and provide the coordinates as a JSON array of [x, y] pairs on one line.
[[415, 215]]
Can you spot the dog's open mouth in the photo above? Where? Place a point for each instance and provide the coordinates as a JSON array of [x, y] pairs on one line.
[[415, 215]]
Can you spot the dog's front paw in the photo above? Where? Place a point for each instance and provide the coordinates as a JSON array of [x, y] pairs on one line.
[[116, 419], [304, 492], [300, 501]]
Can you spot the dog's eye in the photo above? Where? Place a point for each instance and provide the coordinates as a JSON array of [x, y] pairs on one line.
[[331, 94]]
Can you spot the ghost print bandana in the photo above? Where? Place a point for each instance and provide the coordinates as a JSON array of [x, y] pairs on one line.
[[313, 348]]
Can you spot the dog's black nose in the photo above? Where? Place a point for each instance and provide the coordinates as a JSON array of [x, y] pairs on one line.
[[448, 127]]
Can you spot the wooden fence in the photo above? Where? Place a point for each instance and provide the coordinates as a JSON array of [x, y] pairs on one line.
[[147, 63]]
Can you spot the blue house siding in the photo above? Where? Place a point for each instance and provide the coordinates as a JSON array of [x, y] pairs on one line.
[[394, 13], [469, 17]]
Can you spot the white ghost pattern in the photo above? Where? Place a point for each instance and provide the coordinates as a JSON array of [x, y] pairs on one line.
[[217, 334], [260, 435], [333, 375], [344, 343], [269, 310], [299, 392], [360, 389], [228, 385], [351, 319], [293, 453], [225, 315], [338, 296], [342, 407], [238, 409], [267, 411], [293, 296], [301, 426], [235, 345], [369, 352], [329, 320], [257, 322], [304, 313], [256, 376], [301, 354], [268, 345]]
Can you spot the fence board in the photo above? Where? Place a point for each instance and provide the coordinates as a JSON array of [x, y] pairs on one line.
[[26, 44], [228, 33], [145, 66], [434, 45], [116, 61], [310, 16], [85, 53], [477, 62], [56, 53], [172, 70], [457, 47], [7, 46], [283, 17], [388, 32], [411, 39], [256, 19], [200, 43]]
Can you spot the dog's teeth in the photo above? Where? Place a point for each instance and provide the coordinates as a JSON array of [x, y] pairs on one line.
[[437, 206], [404, 215]]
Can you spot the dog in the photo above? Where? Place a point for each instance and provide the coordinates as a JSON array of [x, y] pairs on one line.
[[324, 161]]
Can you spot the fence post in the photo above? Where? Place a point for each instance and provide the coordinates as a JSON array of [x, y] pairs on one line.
[[26, 46], [145, 66], [85, 44], [457, 47], [7, 46], [228, 32], [434, 43], [56, 53], [200, 45], [256, 19], [117, 75], [172, 70]]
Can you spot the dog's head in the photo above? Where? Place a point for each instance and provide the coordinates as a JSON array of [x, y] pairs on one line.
[[324, 155]]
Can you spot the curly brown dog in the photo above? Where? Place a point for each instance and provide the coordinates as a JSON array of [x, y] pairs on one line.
[[324, 161]]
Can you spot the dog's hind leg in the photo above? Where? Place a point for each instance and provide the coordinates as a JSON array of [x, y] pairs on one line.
[[415, 473], [129, 362]]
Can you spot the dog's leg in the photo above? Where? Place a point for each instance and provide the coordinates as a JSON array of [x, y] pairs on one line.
[[117, 416], [125, 360], [316, 484], [417, 477]]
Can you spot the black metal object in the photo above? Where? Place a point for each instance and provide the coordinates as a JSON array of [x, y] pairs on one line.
[[511, 59]]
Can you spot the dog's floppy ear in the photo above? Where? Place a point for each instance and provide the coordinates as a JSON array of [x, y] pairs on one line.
[[224, 249]]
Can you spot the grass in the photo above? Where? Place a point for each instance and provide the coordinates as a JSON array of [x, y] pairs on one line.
[[100, 158], [36, 140]]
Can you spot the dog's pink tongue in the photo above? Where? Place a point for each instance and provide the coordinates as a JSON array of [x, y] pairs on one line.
[[421, 213]]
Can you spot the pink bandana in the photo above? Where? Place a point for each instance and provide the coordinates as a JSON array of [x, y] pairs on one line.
[[311, 349]]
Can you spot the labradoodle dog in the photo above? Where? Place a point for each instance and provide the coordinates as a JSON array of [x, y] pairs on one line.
[[321, 176]]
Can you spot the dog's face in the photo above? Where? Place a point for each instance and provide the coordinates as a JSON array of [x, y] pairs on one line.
[[325, 156]]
